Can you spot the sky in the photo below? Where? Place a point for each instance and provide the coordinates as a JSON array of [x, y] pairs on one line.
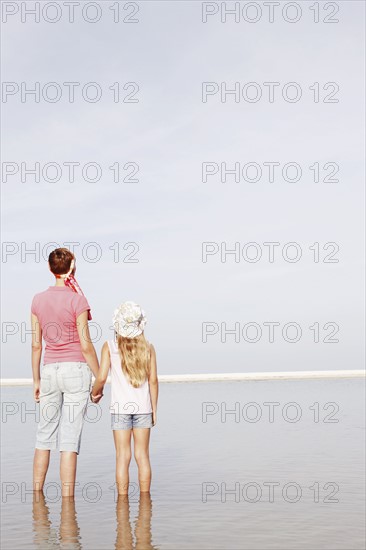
[[142, 237]]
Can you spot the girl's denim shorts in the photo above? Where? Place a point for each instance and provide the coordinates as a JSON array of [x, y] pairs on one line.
[[130, 421]]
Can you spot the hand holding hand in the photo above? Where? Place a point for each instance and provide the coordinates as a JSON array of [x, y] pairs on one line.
[[96, 398]]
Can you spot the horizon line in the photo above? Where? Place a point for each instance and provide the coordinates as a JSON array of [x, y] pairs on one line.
[[236, 376]]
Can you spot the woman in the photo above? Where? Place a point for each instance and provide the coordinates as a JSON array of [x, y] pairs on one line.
[[60, 316]]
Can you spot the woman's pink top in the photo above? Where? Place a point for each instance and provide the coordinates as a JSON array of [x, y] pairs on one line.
[[57, 309], [125, 399]]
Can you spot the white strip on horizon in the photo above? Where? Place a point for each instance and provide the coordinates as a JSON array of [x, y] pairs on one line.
[[235, 376]]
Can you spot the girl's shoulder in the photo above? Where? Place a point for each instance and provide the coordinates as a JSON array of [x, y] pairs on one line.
[[150, 348], [148, 343], [111, 346]]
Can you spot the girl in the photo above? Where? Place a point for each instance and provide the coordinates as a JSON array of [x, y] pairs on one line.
[[134, 392]]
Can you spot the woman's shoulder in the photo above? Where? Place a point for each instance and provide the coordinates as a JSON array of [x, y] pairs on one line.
[[77, 298], [40, 295], [39, 300]]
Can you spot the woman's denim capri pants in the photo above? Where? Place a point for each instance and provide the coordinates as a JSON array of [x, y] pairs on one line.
[[65, 389]]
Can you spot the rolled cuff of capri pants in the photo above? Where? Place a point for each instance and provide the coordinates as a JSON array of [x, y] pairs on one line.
[[71, 447], [49, 446]]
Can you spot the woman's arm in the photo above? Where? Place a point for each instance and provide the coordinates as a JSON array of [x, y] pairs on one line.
[[87, 348], [153, 383], [36, 355], [105, 363]]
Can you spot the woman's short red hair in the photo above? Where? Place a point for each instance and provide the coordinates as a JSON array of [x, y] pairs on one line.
[[60, 261]]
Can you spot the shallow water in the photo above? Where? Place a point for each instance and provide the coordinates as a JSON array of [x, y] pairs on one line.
[[212, 479]]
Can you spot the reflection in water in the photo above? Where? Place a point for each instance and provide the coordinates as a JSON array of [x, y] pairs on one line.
[[143, 523], [69, 528], [124, 539], [46, 536]]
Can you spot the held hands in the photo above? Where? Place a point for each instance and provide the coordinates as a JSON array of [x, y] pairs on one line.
[[36, 394], [95, 398]]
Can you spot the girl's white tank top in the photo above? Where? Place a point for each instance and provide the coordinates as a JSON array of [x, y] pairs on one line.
[[125, 399]]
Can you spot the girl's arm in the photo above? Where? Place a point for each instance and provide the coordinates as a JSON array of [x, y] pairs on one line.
[[153, 383], [36, 355], [101, 379], [87, 348]]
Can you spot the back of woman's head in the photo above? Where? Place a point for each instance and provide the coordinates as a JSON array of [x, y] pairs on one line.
[[129, 321], [60, 261]]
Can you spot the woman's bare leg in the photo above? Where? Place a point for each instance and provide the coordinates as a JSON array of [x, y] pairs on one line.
[[141, 438], [68, 463], [40, 466], [69, 528], [122, 442]]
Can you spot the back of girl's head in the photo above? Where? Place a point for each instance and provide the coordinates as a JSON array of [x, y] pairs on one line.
[[129, 321], [135, 355]]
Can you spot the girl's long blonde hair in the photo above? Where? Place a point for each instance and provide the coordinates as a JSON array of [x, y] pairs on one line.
[[135, 358]]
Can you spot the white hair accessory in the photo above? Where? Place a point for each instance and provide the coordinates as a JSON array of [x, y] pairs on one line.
[[129, 320]]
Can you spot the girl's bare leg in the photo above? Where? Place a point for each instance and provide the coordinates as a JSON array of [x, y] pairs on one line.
[[141, 438], [124, 540], [122, 442], [143, 524], [40, 466]]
